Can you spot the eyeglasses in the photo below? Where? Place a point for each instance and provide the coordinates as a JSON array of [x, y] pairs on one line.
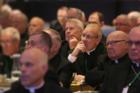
[[88, 36], [114, 42], [136, 43]]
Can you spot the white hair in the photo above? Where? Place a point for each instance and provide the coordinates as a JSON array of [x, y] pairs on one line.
[[12, 31]]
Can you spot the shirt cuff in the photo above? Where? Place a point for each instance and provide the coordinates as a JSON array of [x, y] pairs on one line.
[[71, 58]]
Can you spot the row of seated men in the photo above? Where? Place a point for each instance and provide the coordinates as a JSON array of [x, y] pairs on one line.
[[81, 50], [114, 70], [109, 73]]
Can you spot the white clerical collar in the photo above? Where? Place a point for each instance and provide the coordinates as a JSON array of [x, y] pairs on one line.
[[116, 61], [88, 52], [137, 63], [33, 88]]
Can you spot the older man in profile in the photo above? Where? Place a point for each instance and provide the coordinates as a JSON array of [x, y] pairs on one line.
[[36, 24], [73, 31], [113, 67]]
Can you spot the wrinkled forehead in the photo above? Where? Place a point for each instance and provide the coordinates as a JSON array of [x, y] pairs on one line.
[[116, 37], [134, 34]]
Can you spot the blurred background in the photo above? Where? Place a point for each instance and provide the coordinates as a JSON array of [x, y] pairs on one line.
[[47, 8]]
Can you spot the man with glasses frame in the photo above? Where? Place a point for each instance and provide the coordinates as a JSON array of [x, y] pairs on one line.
[[84, 56], [117, 63], [112, 68], [133, 79]]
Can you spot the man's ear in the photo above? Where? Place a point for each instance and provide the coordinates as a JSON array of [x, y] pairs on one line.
[[46, 50], [102, 23], [45, 68]]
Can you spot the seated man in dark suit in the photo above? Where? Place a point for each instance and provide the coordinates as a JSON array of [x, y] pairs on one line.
[[118, 64], [42, 40], [84, 56], [58, 63], [5, 65], [50, 44], [33, 66], [132, 85], [113, 68]]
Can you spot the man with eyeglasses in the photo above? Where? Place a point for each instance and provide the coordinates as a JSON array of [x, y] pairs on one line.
[[117, 63], [112, 68], [84, 56], [133, 80]]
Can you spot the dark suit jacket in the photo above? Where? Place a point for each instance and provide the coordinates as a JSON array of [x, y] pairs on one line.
[[85, 62], [113, 76], [65, 49], [24, 37], [49, 87], [56, 25], [59, 68], [6, 64]]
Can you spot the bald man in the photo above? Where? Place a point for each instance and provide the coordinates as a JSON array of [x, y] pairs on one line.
[[18, 20], [36, 24], [134, 54], [113, 68], [117, 45], [122, 22], [33, 66]]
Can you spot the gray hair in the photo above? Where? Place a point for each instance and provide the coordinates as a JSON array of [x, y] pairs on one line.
[[77, 22], [13, 31]]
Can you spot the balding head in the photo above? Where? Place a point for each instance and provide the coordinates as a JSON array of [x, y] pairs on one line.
[[33, 66], [36, 24], [119, 34], [117, 45], [40, 56], [18, 20], [133, 16], [122, 23], [134, 44], [5, 11]]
